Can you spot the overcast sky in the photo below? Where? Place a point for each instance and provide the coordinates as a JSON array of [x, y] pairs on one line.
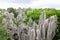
[[30, 3]]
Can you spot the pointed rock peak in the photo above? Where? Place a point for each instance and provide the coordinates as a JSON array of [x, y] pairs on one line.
[[34, 25], [30, 21], [53, 18], [42, 17]]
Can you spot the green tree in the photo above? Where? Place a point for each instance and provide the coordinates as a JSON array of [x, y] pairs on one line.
[[12, 10]]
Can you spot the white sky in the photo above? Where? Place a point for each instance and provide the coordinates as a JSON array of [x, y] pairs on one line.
[[33, 4]]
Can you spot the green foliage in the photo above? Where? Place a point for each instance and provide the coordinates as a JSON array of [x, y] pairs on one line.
[[25, 20], [15, 14], [4, 34], [1, 18], [34, 14], [15, 21], [11, 10]]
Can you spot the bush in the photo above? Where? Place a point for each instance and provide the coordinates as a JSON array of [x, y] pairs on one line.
[[4, 34]]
